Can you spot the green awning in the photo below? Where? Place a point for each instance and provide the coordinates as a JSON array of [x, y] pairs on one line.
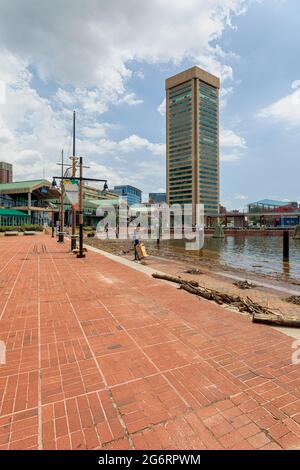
[[12, 213], [24, 185]]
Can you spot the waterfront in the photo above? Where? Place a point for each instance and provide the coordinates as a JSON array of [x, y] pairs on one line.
[[252, 253], [270, 291]]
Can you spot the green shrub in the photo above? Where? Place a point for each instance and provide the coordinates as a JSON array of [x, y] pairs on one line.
[[88, 228], [34, 227], [21, 228]]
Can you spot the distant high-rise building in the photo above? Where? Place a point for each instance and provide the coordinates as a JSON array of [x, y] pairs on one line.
[[157, 198], [6, 172], [192, 120], [132, 194]]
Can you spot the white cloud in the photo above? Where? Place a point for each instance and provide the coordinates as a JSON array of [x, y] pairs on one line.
[[29, 157], [90, 100], [105, 172], [135, 143], [229, 157], [232, 145], [155, 168], [97, 131], [286, 109], [212, 63], [5, 136], [2, 92], [86, 49], [91, 44], [32, 134], [229, 138], [241, 197], [295, 84], [65, 97], [140, 74], [30, 131], [225, 92], [162, 107], [130, 99]]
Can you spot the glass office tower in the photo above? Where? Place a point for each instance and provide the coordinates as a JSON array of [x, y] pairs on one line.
[[132, 194], [192, 112]]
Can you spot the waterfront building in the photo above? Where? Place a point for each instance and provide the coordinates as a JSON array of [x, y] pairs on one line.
[[93, 198], [92, 192], [269, 205], [31, 197], [130, 193], [273, 213], [192, 134], [157, 198], [13, 217], [6, 172]]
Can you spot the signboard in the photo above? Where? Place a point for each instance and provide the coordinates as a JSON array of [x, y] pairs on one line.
[[72, 192]]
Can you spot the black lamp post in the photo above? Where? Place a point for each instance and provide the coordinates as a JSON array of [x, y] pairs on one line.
[[80, 254], [54, 186], [81, 179]]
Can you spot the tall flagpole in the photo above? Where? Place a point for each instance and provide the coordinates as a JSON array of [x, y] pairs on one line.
[[73, 237]]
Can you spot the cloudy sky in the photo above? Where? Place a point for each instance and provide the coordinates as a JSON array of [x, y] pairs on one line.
[[109, 60]]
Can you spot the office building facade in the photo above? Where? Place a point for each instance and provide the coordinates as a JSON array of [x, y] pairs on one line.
[[157, 198], [130, 193], [6, 172], [192, 134]]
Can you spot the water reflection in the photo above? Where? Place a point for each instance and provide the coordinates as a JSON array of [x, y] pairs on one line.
[[262, 254], [286, 268]]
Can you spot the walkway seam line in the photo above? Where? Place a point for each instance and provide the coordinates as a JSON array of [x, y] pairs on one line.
[[97, 365], [40, 410]]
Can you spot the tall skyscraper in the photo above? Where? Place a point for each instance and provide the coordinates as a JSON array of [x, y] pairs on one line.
[[5, 172], [192, 119]]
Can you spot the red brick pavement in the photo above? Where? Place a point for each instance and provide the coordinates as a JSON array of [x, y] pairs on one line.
[[102, 356]]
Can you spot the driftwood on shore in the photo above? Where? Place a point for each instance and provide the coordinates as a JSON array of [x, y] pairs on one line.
[[260, 314], [244, 285], [293, 299], [278, 320], [193, 271]]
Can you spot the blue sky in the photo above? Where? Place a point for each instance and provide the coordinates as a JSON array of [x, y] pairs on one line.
[[265, 40], [109, 61]]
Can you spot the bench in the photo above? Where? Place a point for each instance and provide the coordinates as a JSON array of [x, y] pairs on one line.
[[29, 232], [11, 233]]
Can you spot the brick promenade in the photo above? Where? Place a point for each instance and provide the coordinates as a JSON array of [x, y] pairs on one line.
[[102, 356]]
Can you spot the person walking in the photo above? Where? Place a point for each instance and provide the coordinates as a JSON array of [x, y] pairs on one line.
[[135, 244]]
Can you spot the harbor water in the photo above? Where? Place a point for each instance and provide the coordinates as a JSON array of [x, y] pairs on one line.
[[262, 254]]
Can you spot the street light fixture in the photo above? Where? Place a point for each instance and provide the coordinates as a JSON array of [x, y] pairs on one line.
[[80, 179], [54, 186]]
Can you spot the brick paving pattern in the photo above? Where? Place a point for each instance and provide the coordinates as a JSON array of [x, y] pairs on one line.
[[100, 356]]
